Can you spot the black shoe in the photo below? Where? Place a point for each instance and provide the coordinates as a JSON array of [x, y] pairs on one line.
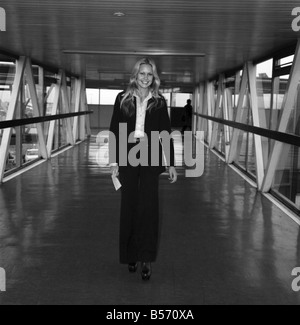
[[146, 271], [132, 267]]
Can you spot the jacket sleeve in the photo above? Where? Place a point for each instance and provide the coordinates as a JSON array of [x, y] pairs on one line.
[[165, 125], [114, 133]]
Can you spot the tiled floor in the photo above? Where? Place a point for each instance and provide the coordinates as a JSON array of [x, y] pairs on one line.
[[221, 241]]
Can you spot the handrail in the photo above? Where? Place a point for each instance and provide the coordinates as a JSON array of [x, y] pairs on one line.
[[291, 139], [42, 119]]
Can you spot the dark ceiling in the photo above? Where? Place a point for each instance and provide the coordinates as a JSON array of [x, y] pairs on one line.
[[85, 37]]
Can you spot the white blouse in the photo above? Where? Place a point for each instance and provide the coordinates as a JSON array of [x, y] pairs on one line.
[[141, 108]]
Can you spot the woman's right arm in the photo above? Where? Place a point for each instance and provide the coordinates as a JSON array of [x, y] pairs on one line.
[[114, 137]]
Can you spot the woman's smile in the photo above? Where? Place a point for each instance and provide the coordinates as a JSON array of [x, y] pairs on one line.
[[145, 76]]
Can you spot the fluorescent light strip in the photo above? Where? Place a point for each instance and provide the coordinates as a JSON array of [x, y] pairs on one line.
[[146, 53]]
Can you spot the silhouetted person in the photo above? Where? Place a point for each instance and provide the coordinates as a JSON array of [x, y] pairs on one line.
[[187, 116]]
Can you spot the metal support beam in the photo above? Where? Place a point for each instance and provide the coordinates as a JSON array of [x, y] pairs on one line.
[[230, 105], [218, 110], [238, 82], [41, 90], [210, 102], [226, 128], [78, 83], [86, 108], [66, 108], [36, 109], [201, 100], [82, 119], [51, 132], [195, 104], [256, 122], [233, 152]]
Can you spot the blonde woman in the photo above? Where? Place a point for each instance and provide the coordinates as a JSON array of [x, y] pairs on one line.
[[140, 115]]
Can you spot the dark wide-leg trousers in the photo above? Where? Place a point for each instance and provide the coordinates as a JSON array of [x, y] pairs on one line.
[[139, 226]]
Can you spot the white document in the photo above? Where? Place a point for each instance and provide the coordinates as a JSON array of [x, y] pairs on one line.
[[116, 182]]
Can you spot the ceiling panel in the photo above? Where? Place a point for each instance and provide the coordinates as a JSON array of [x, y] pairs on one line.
[[227, 31]]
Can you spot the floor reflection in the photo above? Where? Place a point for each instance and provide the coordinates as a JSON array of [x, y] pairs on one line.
[[221, 241]]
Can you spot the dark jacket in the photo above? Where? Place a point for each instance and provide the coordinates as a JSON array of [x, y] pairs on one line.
[[156, 120]]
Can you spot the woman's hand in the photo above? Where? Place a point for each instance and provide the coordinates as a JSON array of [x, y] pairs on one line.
[[173, 175], [114, 170]]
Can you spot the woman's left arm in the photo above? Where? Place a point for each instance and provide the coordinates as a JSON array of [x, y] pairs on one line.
[[165, 125]]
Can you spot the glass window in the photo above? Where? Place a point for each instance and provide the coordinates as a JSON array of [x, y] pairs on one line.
[[286, 61], [294, 121], [180, 100], [13, 159], [238, 83], [220, 144], [230, 84], [108, 96], [265, 69], [29, 134], [93, 96], [264, 85], [286, 182], [279, 91], [264, 91], [7, 75], [287, 178], [246, 145], [168, 98]]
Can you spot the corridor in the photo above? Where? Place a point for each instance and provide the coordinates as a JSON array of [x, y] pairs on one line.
[[221, 241]]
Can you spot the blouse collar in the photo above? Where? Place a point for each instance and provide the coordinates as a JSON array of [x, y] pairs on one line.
[[135, 94]]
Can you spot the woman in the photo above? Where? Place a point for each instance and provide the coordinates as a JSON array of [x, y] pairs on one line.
[[142, 112]]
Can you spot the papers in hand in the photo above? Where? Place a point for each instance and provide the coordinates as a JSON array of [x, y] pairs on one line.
[[116, 182]]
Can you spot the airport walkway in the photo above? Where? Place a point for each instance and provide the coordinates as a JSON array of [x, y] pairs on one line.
[[221, 241]]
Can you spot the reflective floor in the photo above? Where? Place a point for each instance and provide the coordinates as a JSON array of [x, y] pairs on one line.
[[221, 241]]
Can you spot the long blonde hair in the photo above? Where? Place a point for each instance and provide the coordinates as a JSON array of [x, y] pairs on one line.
[[127, 103]]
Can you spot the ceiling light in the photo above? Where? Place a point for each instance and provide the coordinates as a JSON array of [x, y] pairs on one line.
[[183, 73], [119, 14], [144, 53]]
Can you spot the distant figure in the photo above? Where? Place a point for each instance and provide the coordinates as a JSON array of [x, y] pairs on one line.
[[187, 116]]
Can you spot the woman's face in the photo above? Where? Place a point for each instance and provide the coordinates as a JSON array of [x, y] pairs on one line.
[[145, 76]]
